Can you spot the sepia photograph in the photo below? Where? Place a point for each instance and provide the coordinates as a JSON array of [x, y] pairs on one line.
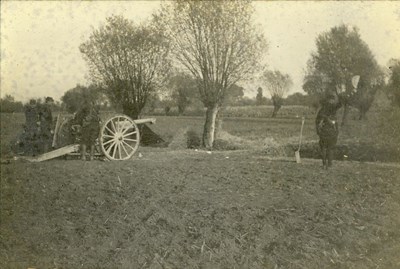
[[182, 134]]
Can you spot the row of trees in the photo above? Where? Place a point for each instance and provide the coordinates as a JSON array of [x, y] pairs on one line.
[[8, 104], [183, 94], [212, 46], [214, 42]]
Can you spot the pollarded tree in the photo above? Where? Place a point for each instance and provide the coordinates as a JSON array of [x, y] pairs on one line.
[[183, 88], [74, 98], [128, 60], [364, 96], [217, 43], [315, 82], [278, 85], [341, 55]]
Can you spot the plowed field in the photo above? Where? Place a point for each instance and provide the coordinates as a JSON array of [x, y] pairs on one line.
[[193, 209]]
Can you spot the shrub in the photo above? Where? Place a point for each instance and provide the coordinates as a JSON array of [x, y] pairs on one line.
[[9, 105], [193, 140]]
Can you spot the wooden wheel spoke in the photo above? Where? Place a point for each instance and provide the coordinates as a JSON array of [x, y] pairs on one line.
[[126, 129], [119, 150], [119, 128], [108, 150], [128, 139], [108, 142], [123, 147], [115, 150], [125, 135], [128, 145], [113, 126], [110, 136], [108, 129]]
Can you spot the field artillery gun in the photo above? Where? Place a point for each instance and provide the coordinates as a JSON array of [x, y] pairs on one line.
[[119, 138]]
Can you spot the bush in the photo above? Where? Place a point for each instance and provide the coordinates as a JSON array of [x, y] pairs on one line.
[[193, 140], [220, 144], [9, 105]]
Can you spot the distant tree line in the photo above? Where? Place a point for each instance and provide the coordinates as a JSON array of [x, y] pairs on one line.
[[198, 53], [8, 104]]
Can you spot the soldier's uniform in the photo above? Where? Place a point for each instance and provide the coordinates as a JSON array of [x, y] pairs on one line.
[[328, 130], [46, 123], [31, 134], [89, 120]]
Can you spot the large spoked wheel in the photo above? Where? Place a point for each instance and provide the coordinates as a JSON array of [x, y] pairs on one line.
[[119, 138]]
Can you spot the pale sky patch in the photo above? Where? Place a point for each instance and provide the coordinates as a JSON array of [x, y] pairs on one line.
[[40, 40]]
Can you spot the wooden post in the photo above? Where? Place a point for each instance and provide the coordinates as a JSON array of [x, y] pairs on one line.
[[56, 130], [54, 154]]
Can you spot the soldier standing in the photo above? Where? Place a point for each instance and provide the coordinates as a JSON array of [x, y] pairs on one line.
[[46, 123], [88, 118], [31, 127], [328, 127]]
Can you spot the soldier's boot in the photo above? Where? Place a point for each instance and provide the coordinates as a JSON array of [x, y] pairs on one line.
[[91, 152], [83, 152], [330, 157], [323, 150]]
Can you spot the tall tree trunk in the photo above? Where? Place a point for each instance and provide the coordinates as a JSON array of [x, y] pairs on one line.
[[209, 126], [345, 114], [275, 112], [218, 125]]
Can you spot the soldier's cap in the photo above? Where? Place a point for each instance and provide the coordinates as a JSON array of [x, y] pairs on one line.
[[49, 99]]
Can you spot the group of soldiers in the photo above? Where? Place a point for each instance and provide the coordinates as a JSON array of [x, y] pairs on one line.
[[38, 133], [38, 127]]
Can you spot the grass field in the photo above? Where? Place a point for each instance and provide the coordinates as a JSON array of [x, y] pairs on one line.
[[375, 139], [180, 208]]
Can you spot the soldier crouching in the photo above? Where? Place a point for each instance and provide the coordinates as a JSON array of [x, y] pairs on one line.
[[89, 119]]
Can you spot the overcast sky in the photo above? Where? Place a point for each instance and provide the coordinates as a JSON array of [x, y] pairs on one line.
[[40, 40]]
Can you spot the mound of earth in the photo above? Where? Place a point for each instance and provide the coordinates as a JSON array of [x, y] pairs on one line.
[[149, 138]]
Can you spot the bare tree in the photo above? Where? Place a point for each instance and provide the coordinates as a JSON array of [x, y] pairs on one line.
[[128, 60], [216, 42], [278, 85]]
